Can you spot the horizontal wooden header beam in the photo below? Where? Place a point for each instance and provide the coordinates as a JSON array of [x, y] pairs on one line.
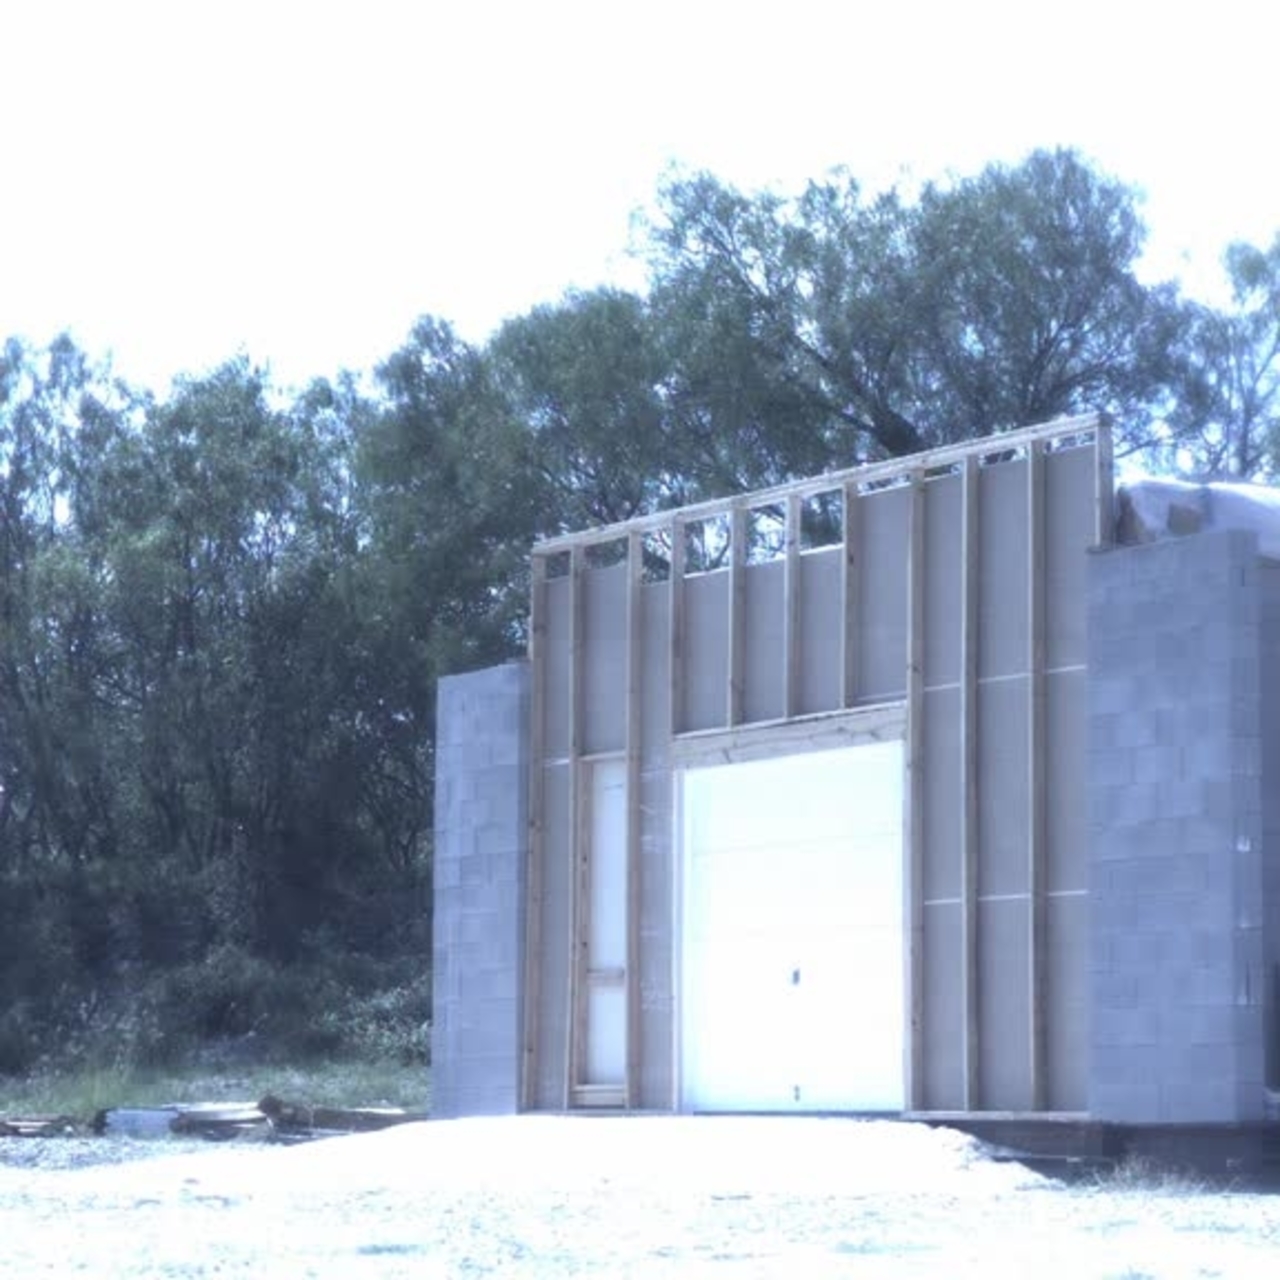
[[869, 476]]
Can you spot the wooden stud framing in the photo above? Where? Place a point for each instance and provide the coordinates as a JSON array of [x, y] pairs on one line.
[[850, 586], [736, 690], [892, 469], [1036, 746], [579, 845], [536, 836], [634, 728], [791, 608], [970, 579], [913, 797], [1033, 444]]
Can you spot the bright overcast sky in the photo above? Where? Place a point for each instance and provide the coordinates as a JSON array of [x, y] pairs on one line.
[[186, 179]]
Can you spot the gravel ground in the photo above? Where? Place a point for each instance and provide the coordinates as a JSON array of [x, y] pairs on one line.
[[645, 1197]]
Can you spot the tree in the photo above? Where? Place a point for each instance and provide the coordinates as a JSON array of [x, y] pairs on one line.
[[1225, 423], [583, 378], [861, 328]]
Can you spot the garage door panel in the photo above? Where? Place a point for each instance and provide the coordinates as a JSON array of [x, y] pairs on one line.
[[792, 990]]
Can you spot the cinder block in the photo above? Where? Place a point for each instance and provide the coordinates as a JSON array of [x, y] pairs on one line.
[[1207, 986], [1136, 1025], [1198, 1025], [1198, 1101], [1125, 1103]]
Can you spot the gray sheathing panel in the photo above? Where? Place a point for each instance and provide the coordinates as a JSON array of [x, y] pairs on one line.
[[764, 647], [1004, 1005], [706, 651], [604, 661], [655, 670], [555, 670], [1002, 606], [1269, 625], [1067, 1002], [943, 797], [657, 1000], [943, 1012], [821, 627], [1003, 812], [1065, 775], [881, 618], [552, 983], [943, 580], [1069, 526]]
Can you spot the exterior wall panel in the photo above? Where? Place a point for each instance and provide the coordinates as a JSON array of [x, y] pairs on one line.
[[943, 581], [764, 642], [1002, 627], [1066, 761], [603, 660], [554, 671], [1004, 1005], [943, 1028], [943, 798], [1003, 797], [1069, 495], [706, 599], [1068, 1003], [655, 670], [820, 632], [882, 601]]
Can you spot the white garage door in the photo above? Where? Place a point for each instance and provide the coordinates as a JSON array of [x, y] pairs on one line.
[[792, 931]]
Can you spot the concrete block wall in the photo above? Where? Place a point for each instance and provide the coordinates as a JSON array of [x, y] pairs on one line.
[[482, 767], [1179, 972]]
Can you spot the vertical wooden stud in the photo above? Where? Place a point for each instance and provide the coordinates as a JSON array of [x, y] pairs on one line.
[[579, 845], [536, 835]]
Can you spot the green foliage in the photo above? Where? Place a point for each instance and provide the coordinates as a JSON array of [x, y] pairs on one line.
[[1226, 421], [84, 1091], [844, 327]]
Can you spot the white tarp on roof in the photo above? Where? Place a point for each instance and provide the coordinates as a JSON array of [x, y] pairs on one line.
[[1148, 510]]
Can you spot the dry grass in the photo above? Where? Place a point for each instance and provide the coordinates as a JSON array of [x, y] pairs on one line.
[[82, 1094]]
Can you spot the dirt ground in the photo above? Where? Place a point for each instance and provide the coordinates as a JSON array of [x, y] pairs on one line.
[[641, 1197]]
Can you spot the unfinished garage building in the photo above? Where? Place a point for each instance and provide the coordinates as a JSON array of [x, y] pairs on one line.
[[909, 789]]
